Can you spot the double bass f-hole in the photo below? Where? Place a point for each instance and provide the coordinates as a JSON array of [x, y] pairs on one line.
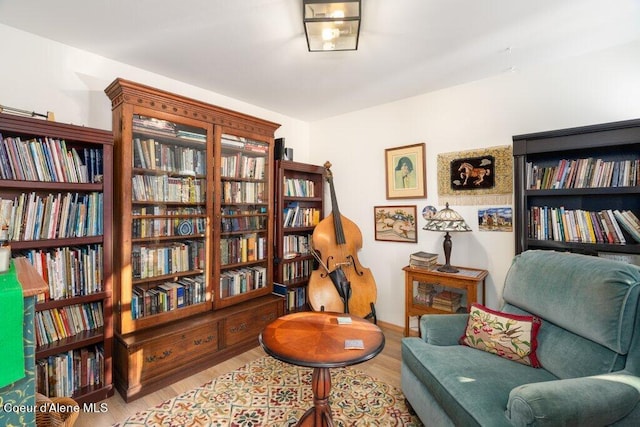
[[349, 262], [325, 265]]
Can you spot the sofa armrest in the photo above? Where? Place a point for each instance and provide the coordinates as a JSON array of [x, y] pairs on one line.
[[596, 400], [439, 329]]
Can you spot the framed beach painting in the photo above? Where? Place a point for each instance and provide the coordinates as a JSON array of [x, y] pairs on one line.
[[405, 172]]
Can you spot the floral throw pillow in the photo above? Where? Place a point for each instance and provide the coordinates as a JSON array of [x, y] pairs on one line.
[[507, 335]]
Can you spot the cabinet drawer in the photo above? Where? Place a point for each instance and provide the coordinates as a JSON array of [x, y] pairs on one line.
[[170, 351], [247, 325]]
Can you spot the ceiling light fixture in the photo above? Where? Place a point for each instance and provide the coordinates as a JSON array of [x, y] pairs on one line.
[[331, 25]]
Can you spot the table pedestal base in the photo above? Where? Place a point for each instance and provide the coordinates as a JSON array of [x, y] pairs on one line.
[[320, 413]]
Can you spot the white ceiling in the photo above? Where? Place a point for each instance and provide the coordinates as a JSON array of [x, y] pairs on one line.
[[255, 50]]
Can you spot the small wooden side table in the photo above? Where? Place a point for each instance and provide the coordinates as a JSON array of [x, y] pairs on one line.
[[315, 339], [467, 279]]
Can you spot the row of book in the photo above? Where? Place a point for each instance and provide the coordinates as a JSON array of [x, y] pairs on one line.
[[297, 187], [241, 143], [32, 216], [247, 248], [566, 225], [64, 374], [59, 323], [239, 281], [296, 298], [255, 221], [296, 270], [48, 160], [423, 260], [297, 216], [167, 296], [69, 271], [176, 159], [163, 188], [161, 221], [584, 173], [167, 227], [243, 192], [167, 210], [174, 257], [143, 124], [240, 165], [296, 244]]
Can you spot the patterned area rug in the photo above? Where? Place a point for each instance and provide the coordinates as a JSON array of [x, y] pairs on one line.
[[267, 392]]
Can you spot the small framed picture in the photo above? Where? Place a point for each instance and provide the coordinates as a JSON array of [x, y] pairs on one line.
[[405, 172], [395, 223]]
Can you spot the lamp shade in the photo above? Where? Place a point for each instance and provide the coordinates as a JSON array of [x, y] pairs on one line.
[[331, 25], [447, 220]]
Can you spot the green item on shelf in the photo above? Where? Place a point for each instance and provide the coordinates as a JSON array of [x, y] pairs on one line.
[[11, 319]]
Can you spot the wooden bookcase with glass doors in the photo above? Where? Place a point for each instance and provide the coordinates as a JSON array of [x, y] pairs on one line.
[[194, 235]]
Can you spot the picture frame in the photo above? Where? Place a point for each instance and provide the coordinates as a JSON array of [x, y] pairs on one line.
[[495, 219], [406, 176], [395, 223]]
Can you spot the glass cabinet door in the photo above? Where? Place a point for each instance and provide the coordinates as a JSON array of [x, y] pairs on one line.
[[168, 227], [244, 229]]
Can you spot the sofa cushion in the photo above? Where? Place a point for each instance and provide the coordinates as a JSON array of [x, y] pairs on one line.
[[472, 386], [507, 335], [567, 355], [589, 401], [593, 297]]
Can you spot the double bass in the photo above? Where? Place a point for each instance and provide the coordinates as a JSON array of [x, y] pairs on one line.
[[342, 284]]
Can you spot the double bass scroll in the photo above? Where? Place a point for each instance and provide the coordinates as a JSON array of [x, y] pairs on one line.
[[336, 241]]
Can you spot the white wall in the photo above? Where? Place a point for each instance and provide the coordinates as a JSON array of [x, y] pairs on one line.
[[41, 75], [597, 88]]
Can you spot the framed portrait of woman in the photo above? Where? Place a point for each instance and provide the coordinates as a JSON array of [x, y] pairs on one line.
[[405, 172]]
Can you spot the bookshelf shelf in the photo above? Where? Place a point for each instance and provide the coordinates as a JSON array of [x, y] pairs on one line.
[[87, 249], [83, 339], [571, 185], [52, 186], [192, 191], [96, 296], [298, 185]]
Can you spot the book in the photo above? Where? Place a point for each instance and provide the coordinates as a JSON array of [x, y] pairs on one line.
[[627, 224], [447, 301], [424, 260], [344, 320], [353, 344]]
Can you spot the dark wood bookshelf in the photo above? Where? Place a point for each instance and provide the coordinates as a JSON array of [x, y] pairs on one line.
[[615, 142], [287, 169]]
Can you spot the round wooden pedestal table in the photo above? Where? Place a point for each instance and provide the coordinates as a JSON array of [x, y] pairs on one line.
[[316, 340]]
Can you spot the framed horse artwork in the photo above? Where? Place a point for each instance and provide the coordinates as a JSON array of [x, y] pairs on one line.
[[473, 173]]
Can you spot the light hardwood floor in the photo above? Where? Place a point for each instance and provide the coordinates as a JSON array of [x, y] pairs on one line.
[[385, 366]]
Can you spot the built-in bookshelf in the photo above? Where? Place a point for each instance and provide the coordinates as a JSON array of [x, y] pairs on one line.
[[577, 189], [299, 208], [55, 210], [193, 194]]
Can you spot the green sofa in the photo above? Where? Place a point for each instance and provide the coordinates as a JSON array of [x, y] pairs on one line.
[[588, 346]]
